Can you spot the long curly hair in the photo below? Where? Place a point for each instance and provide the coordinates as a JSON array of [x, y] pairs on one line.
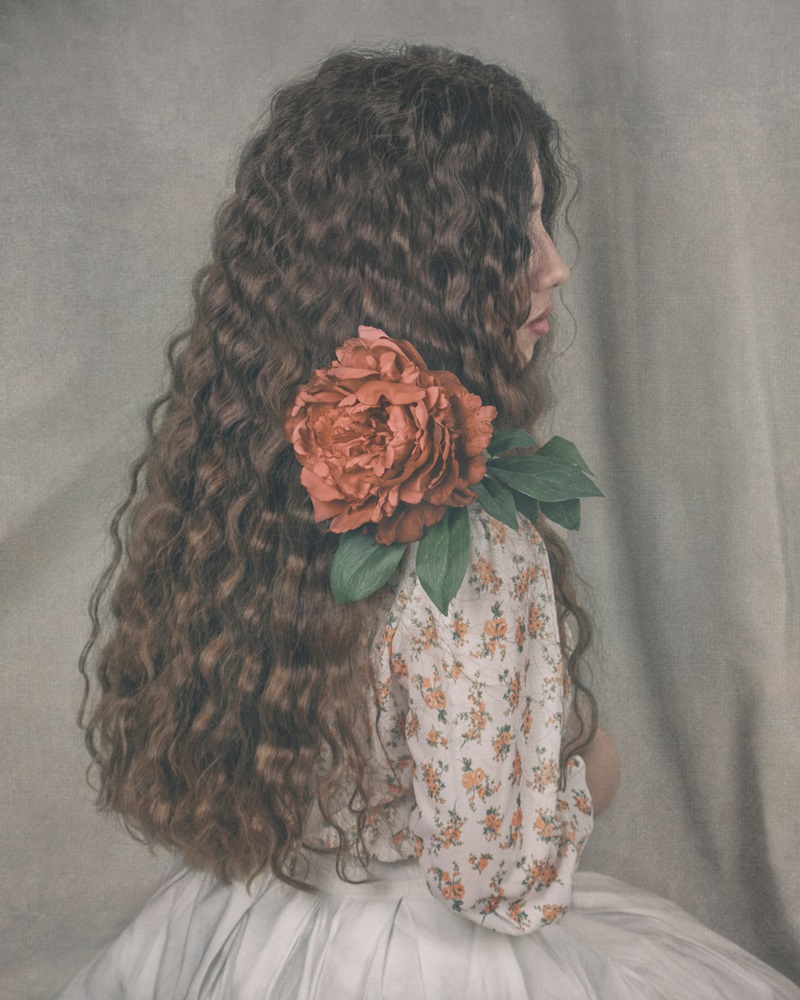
[[390, 188]]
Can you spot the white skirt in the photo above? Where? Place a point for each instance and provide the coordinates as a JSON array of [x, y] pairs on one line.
[[198, 939]]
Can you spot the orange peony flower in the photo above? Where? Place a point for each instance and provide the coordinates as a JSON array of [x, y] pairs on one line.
[[385, 441]]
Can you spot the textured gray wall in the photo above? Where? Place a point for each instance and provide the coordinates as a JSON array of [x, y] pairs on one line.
[[680, 379]]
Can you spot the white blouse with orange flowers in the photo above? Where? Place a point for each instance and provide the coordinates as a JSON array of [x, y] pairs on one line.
[[465, 751]]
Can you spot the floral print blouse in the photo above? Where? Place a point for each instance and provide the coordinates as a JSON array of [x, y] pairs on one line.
[[470, 708]]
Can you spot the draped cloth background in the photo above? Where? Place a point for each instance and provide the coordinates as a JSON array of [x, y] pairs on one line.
[[679, 377]]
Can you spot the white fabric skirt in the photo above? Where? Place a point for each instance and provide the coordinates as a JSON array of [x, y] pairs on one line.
[[198, 939]]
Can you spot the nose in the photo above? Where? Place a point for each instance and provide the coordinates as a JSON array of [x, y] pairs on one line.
[[548, 268]]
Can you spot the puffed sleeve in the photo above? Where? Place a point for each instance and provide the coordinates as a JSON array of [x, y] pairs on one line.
[[497, 837]]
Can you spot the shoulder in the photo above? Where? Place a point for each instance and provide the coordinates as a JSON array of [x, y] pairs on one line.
[[488, 536], [505, 565]]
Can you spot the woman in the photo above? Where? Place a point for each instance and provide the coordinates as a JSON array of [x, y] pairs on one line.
[[384, 796]]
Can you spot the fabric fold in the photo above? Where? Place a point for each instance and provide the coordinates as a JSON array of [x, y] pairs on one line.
[[384, 940]]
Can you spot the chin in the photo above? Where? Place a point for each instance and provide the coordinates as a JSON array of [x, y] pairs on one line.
[[526, 345]]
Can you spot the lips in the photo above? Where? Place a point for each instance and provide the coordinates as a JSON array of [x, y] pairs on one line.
[[539, 325]]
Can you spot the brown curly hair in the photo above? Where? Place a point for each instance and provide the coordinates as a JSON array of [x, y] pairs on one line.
[[389, 188]]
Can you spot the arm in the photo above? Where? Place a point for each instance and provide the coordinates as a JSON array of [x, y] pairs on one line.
[[602, 770], [496, 836], [601, 760]]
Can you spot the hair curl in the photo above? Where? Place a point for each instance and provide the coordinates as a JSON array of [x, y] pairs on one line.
[[390, 188]]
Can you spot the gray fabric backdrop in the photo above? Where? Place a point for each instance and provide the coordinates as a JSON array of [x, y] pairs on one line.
[[679, 377]]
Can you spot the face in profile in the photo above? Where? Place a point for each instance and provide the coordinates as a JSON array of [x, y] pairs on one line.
[[546, 271]]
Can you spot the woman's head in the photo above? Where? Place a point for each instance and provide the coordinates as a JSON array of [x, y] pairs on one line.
[[397, 190], [391, 190]]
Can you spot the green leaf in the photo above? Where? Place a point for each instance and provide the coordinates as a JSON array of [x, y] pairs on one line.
[[558, 447], [567, 513], [543, 478], [442, 557], [361, 566], [503, 440], [526, 505], [497, 500]]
